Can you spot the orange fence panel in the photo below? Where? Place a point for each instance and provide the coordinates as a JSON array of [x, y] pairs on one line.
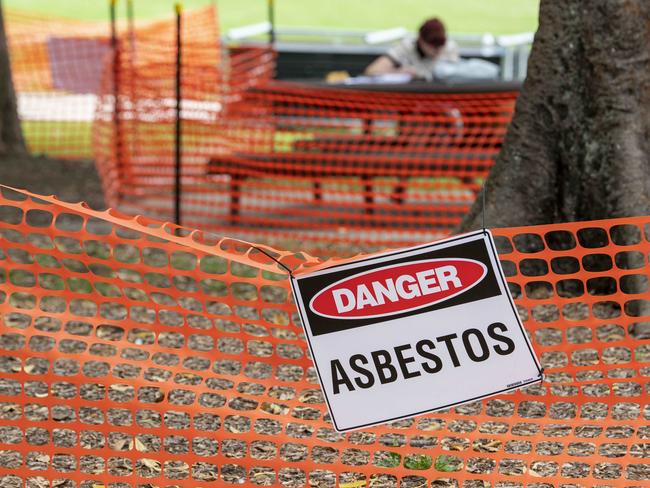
[[56, 66], [134, 142], [297, 166], [60, 68], [138, 354], [305, 167]]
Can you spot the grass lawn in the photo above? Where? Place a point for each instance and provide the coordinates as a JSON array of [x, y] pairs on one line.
[[58, 138], [496, 16]]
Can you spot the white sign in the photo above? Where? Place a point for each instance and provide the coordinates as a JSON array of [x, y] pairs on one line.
[[413, 331]]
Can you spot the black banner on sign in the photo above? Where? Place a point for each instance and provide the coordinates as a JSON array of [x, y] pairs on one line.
[[475, 251]]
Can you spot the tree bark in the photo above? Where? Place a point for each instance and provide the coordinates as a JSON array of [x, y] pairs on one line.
[[578, 145], [11, 136]]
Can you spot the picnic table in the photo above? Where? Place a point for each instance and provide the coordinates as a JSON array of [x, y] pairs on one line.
[[429, 139]]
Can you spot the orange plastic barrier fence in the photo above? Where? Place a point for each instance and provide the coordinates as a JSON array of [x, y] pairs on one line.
[[64, 73], [134, 354], [135, 141], [304, 167], [295, 166], [57, 65]]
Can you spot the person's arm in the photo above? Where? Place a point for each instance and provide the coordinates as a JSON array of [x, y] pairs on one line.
[[381, 65], [386, 64]]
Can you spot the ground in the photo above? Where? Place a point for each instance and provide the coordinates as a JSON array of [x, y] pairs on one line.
[[72, 181]]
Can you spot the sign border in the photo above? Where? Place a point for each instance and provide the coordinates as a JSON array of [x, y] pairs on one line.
[[492, 252]]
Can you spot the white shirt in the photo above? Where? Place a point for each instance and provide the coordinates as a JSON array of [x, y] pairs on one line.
[[408, 53]]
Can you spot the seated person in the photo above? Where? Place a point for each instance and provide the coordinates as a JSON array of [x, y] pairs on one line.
[[417, 57]]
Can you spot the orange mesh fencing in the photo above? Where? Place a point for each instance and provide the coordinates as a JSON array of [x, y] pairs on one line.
[[134, 142], [56, 66], [135, 354], [64, 75], [296, 166], [305, 167]]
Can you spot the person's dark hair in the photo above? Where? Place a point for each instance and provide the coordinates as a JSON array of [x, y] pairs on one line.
[[433, 32]]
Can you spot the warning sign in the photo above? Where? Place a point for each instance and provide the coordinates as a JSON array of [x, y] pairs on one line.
[[414, 331]]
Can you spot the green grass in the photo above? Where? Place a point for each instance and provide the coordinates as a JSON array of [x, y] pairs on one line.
[[58, 138], [497, 16], [418, 461]]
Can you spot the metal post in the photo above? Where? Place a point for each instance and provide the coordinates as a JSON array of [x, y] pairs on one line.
[[116, 88], [271, 5], [508, 64], [129, 15], [133, 136], [522, 61], [177, 142]]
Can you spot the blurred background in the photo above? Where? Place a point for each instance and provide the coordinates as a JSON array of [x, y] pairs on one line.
[[229, 113], [496, 16]]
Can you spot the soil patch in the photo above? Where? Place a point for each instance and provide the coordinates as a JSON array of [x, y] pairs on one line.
[[71, 181]]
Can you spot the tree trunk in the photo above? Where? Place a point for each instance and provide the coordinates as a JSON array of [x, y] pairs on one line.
[[578, 147], [11, 136]]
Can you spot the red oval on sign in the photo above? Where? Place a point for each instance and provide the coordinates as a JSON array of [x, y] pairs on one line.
[[397, 288]]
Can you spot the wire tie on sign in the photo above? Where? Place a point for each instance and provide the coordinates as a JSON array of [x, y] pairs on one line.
[[274, 259]]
